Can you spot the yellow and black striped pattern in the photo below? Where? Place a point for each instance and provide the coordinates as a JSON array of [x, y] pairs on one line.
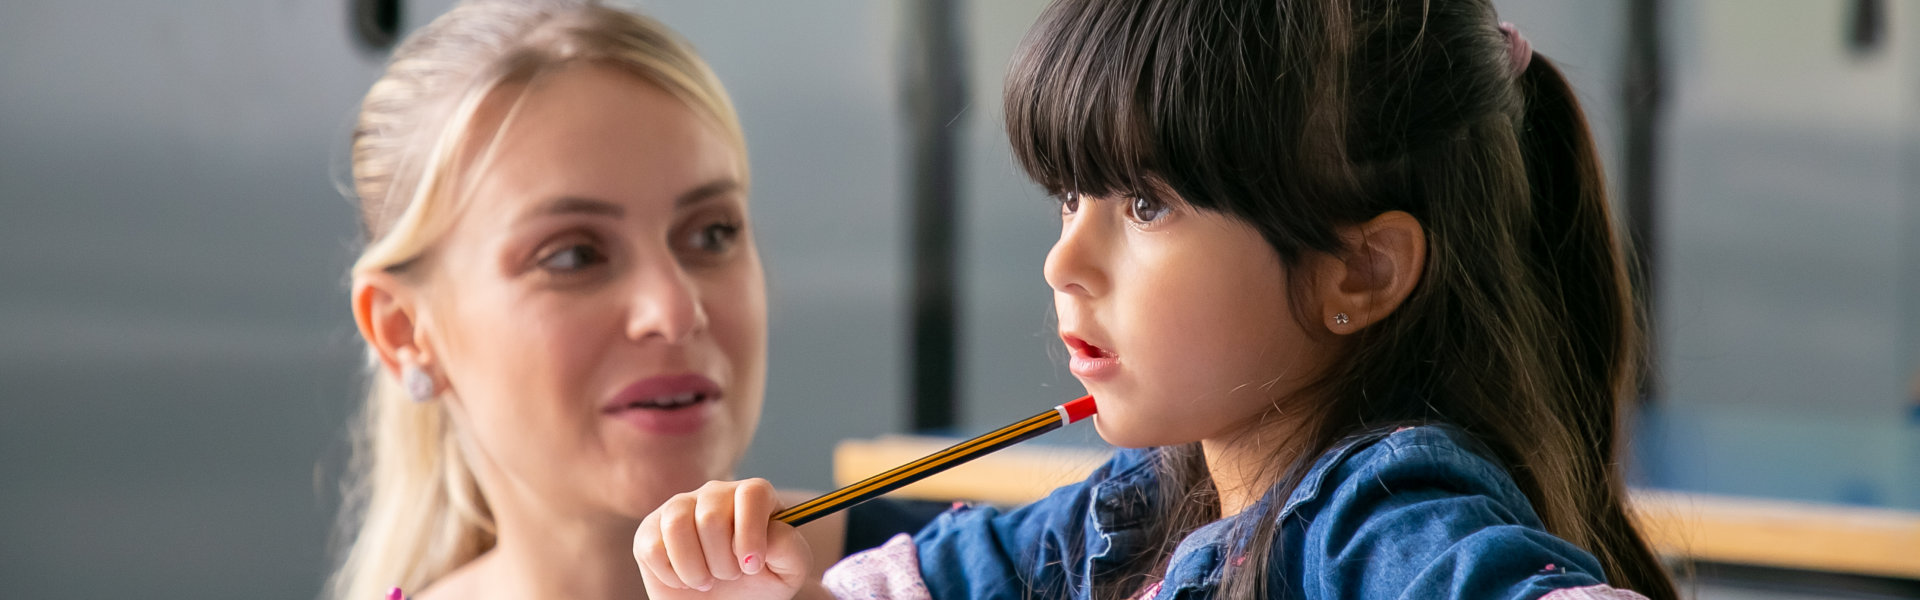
[[914, 471]]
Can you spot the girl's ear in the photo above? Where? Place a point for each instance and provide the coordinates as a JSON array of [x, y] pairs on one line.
[[387, 311], [1377, 269]]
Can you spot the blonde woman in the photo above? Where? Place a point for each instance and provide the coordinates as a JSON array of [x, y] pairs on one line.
[[563, 298]]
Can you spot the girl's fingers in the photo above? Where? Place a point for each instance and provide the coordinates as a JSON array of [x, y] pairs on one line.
[[753, 502], [650, 551], [787, 554], [680, 534], [713, 517]]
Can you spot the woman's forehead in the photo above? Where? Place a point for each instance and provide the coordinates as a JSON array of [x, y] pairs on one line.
[[597, 132]]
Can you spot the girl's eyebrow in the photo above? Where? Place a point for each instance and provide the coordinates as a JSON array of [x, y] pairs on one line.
[[572, 205]]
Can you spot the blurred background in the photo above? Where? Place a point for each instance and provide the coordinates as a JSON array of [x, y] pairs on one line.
[[177, 361]]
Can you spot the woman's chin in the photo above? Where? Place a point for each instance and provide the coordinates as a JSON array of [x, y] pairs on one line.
[[646, 482]]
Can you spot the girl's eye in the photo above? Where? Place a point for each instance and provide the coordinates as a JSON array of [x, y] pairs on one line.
[[1069, 203], [1147, 210], [716, 238], [572, 258]]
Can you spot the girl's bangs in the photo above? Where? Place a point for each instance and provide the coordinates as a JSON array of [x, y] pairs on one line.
[[1073, 100]]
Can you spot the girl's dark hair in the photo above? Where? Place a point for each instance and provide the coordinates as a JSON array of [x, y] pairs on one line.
[[1298, 117]]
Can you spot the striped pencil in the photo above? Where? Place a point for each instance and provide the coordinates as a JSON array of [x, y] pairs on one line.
[[953, 456]]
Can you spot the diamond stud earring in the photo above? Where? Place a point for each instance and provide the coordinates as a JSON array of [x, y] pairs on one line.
[[418, 383]]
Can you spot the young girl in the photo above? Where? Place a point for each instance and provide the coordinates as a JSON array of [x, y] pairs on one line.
[[1342, 276]]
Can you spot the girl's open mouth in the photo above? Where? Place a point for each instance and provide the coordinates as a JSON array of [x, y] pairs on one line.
[[1080, 347], [1090, 362]]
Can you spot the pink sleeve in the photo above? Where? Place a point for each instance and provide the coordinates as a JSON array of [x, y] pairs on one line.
[[889, 572], [1592, 592]]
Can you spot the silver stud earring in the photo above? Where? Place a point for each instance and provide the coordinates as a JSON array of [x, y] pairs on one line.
[[418, 383], [1339, 318]]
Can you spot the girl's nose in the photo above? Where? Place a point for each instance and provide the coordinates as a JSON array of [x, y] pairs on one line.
[[1074, 264], [666, 306]]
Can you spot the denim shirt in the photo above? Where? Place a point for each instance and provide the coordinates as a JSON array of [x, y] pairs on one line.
[[1409, 514]]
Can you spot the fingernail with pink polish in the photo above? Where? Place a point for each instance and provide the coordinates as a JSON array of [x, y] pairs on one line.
[[750, 564], [396, 594]]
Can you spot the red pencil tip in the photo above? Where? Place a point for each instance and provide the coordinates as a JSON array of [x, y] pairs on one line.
[[1079, 409]]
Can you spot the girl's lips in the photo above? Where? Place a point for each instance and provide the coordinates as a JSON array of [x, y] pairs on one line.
[[1090, 362]]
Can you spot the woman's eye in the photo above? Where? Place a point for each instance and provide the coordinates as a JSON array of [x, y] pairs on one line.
[[1069, 203], [716, 238], [1147, 210], [572, 258]]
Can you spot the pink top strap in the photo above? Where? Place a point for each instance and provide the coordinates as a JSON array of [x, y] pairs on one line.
[[1592, 592]]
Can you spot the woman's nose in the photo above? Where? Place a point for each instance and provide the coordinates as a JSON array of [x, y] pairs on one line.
[[1073, 266], [666, 306]]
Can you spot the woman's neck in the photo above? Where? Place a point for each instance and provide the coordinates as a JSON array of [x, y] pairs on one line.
[[550, 558]]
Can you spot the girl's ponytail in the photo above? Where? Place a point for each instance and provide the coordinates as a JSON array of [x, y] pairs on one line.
[[1580, 263], [1581, 267]]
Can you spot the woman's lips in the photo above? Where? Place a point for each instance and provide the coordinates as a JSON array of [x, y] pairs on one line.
[[667, 405], [1090, 362]]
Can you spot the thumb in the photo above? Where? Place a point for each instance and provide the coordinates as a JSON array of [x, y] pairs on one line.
[[788, 556]]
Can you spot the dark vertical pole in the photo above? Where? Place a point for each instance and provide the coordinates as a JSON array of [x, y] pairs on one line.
[[1642, 95], [1867, 27], [376, 21], [935, 94]]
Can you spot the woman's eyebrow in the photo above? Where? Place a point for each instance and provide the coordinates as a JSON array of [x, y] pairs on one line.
[[574, 205], [717, 187], [577, 205]]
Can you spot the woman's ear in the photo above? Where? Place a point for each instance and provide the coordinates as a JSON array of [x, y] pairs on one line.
[[387, 311], [1378, 266]]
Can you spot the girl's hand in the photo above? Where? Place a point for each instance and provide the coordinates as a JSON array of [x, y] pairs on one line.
[[721, 541]]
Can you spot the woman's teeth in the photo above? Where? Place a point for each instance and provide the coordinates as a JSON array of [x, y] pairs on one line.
[[686, 399]]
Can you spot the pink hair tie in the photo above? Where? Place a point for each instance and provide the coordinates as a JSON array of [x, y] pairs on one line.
[[1519, 52]]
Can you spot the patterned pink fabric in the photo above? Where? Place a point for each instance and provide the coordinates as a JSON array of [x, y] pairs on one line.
[[889, 572], [1592, 592]]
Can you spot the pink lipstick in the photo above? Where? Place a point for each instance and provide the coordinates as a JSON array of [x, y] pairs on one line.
[[667, 405]]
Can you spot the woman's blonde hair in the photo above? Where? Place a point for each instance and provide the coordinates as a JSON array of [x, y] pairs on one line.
[[412, 507]]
